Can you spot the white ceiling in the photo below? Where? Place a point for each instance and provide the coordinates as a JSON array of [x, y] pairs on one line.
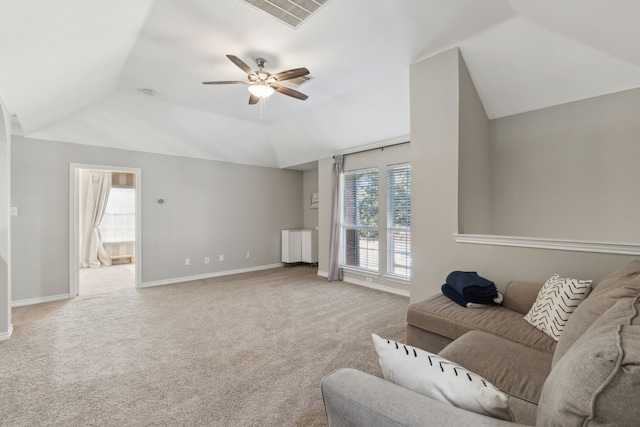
[[72, 70]]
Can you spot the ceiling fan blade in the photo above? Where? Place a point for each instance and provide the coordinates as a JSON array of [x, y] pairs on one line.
[[244, 67], [253, 99], [290, 92], [228, 82], [291, 74]]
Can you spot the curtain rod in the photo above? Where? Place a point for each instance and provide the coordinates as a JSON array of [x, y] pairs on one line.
[[377, 148]]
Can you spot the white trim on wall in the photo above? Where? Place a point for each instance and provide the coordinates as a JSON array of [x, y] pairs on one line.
[[32, 301], [371, 285], [208, 275], [6, 335], [74, 250], [538, 243]]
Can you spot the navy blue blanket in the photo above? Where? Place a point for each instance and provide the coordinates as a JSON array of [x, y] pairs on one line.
[[472, 287], [453, 295], [459, 299]]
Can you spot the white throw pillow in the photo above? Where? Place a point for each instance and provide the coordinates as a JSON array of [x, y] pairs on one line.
[[557, 299], [429, 374]]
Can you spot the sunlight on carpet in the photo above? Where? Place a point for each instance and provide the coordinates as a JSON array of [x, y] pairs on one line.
[[107, 279]]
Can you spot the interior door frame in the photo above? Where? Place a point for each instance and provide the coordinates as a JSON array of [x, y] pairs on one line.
[[74, 221]]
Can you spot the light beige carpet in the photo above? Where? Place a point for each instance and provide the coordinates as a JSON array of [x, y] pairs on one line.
[[107, 279], [244, 350]]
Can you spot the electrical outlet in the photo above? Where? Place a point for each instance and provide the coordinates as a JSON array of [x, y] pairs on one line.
[[221, 258], [207, 260], [248, 255], [187, 261]]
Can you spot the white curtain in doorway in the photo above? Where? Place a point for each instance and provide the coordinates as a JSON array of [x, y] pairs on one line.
[[94, 193]]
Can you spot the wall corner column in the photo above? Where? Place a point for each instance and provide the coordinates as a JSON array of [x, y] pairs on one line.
[[434, 89], [6, 326]]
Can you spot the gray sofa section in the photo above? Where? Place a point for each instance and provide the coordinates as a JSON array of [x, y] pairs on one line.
[[435, 322], [356, 399], [591, 376], [494, 342]]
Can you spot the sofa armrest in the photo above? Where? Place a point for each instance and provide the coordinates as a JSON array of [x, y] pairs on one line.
[[520, 296], [353, 398]]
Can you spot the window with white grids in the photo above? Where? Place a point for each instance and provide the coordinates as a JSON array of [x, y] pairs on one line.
[[360, 220], [119, 221], [399, 220]]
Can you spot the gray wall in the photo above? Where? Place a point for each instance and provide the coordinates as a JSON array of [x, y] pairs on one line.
[[570, 171], [210, 208], [434, 172], [309, 186], [474, 171], [436, 93]]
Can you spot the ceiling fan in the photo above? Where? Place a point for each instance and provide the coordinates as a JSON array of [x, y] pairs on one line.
[[263, 84]]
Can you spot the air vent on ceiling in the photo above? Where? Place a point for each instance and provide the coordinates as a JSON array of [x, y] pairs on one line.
[[291, 12]]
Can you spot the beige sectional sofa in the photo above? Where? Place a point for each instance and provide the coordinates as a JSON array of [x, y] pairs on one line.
[[591, 376]]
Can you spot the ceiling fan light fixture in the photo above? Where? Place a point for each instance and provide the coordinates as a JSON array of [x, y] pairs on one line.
[[261, 90], [263, 84]]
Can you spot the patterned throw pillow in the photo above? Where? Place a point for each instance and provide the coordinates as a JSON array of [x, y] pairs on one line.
[[431, 375], [557, 299]]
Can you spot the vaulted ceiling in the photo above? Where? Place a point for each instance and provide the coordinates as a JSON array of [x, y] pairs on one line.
[[74, 70]]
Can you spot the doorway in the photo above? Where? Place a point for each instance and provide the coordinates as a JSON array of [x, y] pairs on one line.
[[121, 253]]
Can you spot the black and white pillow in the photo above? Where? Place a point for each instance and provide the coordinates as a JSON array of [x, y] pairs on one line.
[[429, 374], [557, 299]]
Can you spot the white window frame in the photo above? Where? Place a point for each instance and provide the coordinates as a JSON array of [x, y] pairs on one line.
[[372, 264], [394, 270]]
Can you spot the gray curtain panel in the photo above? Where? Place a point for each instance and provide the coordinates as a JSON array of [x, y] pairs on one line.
[[335, 272]]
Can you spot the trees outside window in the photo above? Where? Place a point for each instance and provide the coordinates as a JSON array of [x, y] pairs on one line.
[[360, 220], [399, 220]]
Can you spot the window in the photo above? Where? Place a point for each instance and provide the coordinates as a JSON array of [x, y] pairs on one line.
[[360, 219], [119, 222], [399, 220]]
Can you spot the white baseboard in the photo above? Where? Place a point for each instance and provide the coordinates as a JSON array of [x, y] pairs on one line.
[[402, 292], [389, 289], [208, 275], [6, 335], [31, 301]]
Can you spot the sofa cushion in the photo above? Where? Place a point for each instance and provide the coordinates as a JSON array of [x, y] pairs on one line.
[[520, 296], [557, 299], [425, 340], [516, 369], [440, 379], [597, 380], [438, 314], [612, 288]]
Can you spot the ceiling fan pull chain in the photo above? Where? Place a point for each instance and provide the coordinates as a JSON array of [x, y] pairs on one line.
[[261, 108]]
